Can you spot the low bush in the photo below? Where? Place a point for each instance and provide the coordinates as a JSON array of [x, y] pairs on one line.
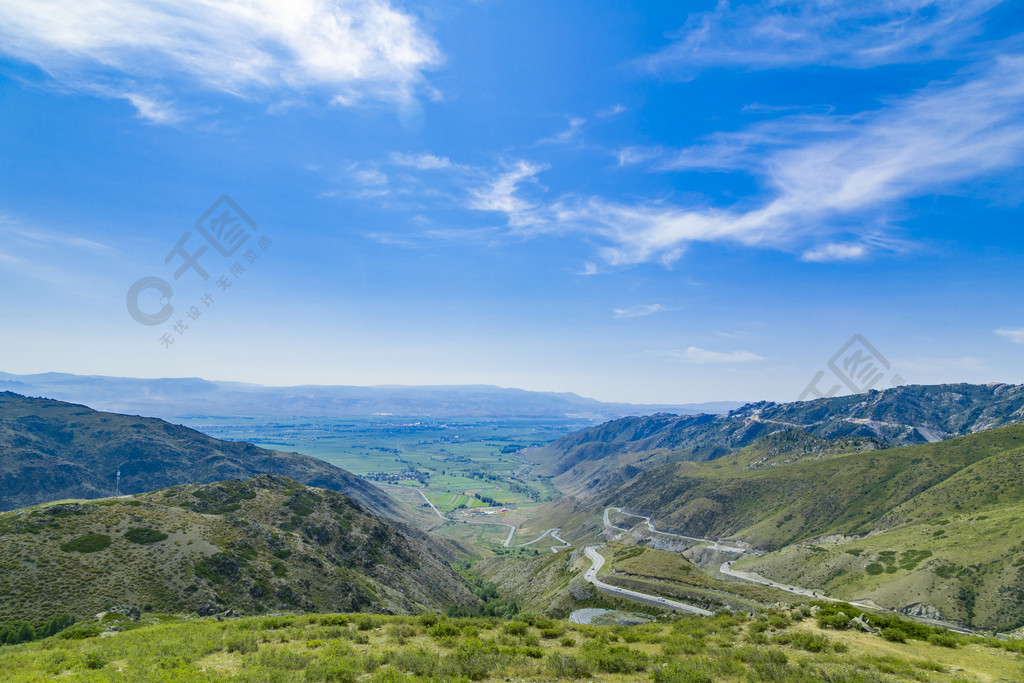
[[90, 543]]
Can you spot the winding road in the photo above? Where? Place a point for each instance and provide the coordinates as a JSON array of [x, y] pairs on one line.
[[715, 545], [753, 577], [591, 577]]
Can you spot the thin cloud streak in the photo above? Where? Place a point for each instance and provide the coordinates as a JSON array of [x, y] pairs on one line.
[[640, 311], [863, 34], [701, 356], [1016, 336]]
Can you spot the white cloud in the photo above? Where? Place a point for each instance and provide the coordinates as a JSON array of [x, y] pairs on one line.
[[500, 195], [589, 268], [421, 162], [703, 356], [609, 112], [154, 110], [835, 252], [349, 48], [369, 177], [639, 311], [1016, 336], [566, 136], [824, 173], [630, 156], [791, 33]]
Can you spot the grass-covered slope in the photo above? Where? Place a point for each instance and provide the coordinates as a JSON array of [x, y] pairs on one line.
[[52, 450], [930, 528], [850, 494], [267, 543], [784, 646]]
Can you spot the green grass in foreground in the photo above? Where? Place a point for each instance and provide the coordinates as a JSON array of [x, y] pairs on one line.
[[779, 646]]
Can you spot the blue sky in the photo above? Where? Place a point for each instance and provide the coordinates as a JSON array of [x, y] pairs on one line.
[[647, 202]]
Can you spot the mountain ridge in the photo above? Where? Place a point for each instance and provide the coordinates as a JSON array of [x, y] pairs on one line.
[[171, 398], [54, 450], [606, 455]]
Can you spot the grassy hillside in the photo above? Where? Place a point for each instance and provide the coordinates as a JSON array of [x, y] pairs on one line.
[[597, 459], [53, 450], [267, 543], [844, 494], [785, 646], [929, 526]]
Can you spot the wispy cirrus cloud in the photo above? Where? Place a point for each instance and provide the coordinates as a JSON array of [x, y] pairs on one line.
[[835, 251], [501, 194], [348, 49], [570, 134], [820, 175], [420, 162], [1016, 336], [640, 311], [791, 33], [700, 356], [54, 258]]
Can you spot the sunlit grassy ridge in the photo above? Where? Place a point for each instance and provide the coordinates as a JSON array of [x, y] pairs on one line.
[[776, 645]]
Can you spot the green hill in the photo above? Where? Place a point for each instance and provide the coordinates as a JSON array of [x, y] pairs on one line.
[[262, 544], [53, 450], [927, 525]]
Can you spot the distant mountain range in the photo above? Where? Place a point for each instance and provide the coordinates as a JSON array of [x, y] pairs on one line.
[[52, 450], [608, 454], [190, 397]]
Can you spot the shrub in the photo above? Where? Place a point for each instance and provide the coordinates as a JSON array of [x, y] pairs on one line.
[[476, 660], [418, 661], [335, 670], [94, 660], [838, 621], [279, 658], [943, 640], [566, 666], [516, 628], [90, 543], [444, 630], [82, 630], [810, 642], [874, 569], [894, 635], [364, 622], [615, 659], [242, 643]]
